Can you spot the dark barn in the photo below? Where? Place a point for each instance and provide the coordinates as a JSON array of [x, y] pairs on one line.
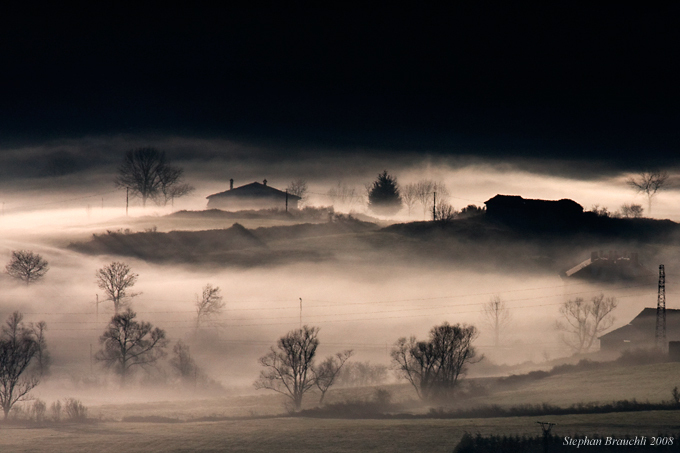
[[517, 210]]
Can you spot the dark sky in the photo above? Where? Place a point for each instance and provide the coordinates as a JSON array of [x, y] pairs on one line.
[[594, 82]]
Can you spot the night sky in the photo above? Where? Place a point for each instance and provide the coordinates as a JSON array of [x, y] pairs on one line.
[[594, 82]]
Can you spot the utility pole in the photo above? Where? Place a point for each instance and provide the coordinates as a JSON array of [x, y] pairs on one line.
[[661, 311], [301, 313], [127, 200], [286, 200], [434, 206]]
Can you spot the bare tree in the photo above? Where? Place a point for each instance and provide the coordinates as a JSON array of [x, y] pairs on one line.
[[497, 316], [210, 304], [362, 374], [327, 371], [425, 190], [582, 322], [18, 346], [424, 195], [116, 279], [43, 359], [288, 368], [183, 364], [631, 211], [298, 187], [27, 266], [344, 195], [127, 343], [433, 367], [444, 212], [409, 196], [148, 175], [648, 183]]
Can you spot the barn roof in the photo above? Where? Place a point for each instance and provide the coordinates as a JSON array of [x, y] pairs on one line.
[[643, 326]]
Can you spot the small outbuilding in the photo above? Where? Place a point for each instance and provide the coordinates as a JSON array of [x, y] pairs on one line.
[[610, 266], [252, 196]]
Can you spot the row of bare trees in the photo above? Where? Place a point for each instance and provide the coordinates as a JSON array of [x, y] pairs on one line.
[[290, 369], [433, 367], [581, 321]]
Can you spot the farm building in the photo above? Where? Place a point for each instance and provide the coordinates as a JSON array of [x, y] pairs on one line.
[[515, 209], [610, 266], [252, 196], [640, 333]]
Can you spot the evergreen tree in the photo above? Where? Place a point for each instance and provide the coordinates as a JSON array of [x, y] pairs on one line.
[[384, 198]]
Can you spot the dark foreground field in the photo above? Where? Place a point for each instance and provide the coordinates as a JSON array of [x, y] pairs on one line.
[[313, 435]]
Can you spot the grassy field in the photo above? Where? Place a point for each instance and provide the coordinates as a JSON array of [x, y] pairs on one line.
[[284, 434], [312, 435]]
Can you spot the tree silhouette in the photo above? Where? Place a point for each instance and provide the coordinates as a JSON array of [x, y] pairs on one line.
[[127, 343], [433, 367], [208, 305], [288, 368], [328, 370], [298, 187], [383, 197], [148, 175], [584, 321], [648, 183], [27, 266], [115, 279], [18, 346]]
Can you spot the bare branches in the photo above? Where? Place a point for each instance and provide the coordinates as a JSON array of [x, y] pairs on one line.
[[27, 266], [210, 304], [298, 187], [497, 315], [409, 196], [584, 321], [288, 368], [433, 367], [631, 211], [127, 343], [115, 279], [148, 175], [325, 374], [344, 196], [648, 183], [18, 346], [444, 212]]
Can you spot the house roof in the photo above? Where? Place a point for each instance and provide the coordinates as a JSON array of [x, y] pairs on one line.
[[643, 326], [254, 190]]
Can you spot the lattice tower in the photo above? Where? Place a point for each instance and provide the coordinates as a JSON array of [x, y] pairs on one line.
[[661, 342]]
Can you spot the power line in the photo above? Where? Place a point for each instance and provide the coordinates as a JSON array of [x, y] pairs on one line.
[[19, 208]]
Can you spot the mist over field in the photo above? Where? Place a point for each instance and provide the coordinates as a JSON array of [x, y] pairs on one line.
[[573, 109]]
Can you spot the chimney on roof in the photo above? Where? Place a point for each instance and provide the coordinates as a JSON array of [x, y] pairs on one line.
[[264, 182], [231, 184]]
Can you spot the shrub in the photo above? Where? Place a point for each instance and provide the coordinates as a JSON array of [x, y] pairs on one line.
[[75, 411], [55, 409], [37, 411], [382, 398]]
